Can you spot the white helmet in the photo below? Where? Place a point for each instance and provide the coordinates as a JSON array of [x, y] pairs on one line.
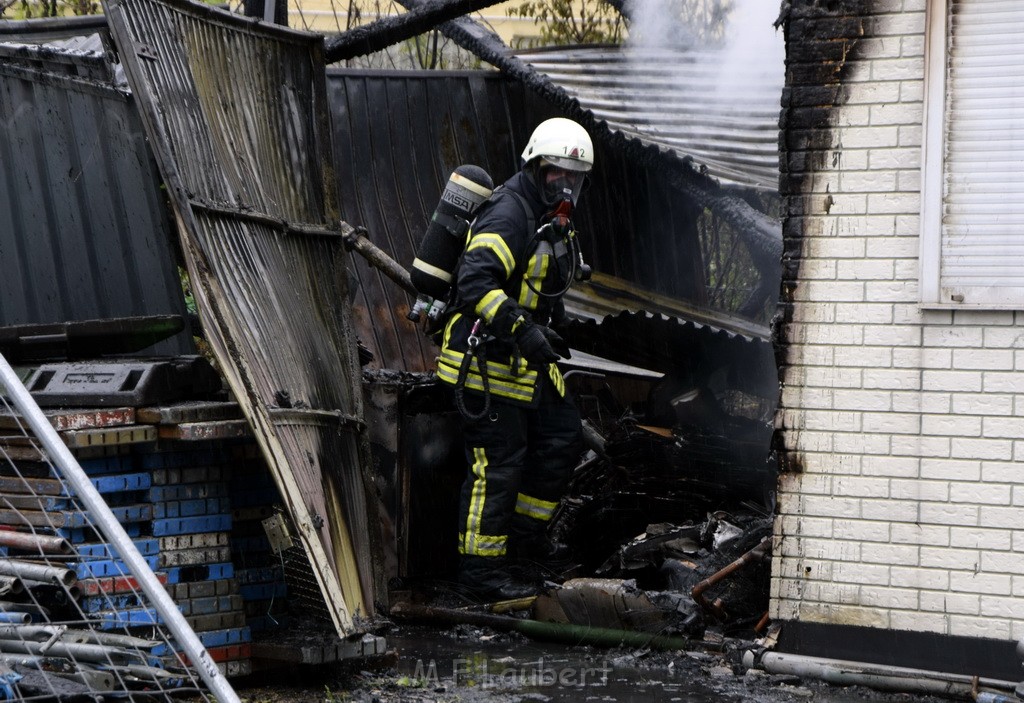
[[563, 143], [557, 158]]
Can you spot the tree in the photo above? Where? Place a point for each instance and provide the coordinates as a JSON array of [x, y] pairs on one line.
[[679, 23], [569, 22], [699, 23]]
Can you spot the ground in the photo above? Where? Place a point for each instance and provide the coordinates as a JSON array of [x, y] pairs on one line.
[[470, 664]]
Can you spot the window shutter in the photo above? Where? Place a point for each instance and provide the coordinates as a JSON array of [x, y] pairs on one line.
[[982, 261]]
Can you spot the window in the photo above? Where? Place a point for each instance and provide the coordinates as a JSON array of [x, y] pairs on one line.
[[972, 224]]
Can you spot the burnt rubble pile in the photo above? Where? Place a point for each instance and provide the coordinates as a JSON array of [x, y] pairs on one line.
[[670, 513]]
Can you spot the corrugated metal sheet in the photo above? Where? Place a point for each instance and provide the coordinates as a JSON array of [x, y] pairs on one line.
[[406, 132], [237, 116], [398, 136], [605, 295], [682, 347], [84, 228], [51, 29], [680, 100]]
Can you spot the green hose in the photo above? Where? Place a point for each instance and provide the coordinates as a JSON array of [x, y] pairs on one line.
[[535, 629]]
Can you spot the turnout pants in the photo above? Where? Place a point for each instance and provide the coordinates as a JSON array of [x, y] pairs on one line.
[[519, 464]]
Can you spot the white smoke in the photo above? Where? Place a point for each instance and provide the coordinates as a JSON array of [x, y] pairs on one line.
[[708, 78], [753, 54], [734, 41]]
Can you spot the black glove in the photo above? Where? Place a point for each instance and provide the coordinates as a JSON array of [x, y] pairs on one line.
[[559, 318], [558, 345], [533, 343]]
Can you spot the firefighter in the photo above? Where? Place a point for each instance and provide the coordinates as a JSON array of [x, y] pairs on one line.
[[522, 430]]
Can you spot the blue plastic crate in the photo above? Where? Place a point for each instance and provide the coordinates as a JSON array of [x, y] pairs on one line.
[[147, 546], [191, 508], [187, 525], [200, 572], [109, 567]]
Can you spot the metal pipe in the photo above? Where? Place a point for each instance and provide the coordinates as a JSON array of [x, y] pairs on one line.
[[111, 639], [715, 607], [149, 673], [38, 572], [93, 653], [15, 618], [114, 533], [39, 633], [43, 544], [97, 681], [878, 676], [11, 585], [7, 606]]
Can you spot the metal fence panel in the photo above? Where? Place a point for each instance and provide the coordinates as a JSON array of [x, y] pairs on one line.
[[84, 229]]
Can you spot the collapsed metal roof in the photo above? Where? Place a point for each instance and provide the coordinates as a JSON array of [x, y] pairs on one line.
[[674, 99]]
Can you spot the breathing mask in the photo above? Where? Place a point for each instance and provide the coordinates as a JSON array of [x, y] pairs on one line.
[[559, 179]]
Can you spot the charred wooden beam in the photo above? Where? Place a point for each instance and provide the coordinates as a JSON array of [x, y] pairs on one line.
[[762, 233], [390, 30]]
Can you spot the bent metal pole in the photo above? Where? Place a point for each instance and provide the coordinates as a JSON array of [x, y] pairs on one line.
[[112, 531]]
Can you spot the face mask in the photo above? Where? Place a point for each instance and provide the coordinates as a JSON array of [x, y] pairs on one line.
[[560, 184]]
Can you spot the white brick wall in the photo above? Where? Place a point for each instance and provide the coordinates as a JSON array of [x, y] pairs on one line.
[[908, 512]]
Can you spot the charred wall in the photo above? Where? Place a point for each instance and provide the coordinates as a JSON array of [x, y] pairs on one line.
[[822, 38]]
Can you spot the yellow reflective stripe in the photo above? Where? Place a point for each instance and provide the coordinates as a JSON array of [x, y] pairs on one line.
[[535, 507], [448, 329], [486, 545], [506, 390], [450, 376], [556, 378], [489, 304], [476, 500], [431, 270], [472, 541], [495, 369], [535, 273], [496, 244]]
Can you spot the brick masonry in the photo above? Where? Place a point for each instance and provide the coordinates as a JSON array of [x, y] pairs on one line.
[[901, 430]]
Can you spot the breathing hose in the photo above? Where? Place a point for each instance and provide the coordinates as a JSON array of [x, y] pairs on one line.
[[474, 350], [575, 259]]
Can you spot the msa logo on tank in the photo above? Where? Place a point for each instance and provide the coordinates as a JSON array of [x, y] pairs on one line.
[[467, 189]]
